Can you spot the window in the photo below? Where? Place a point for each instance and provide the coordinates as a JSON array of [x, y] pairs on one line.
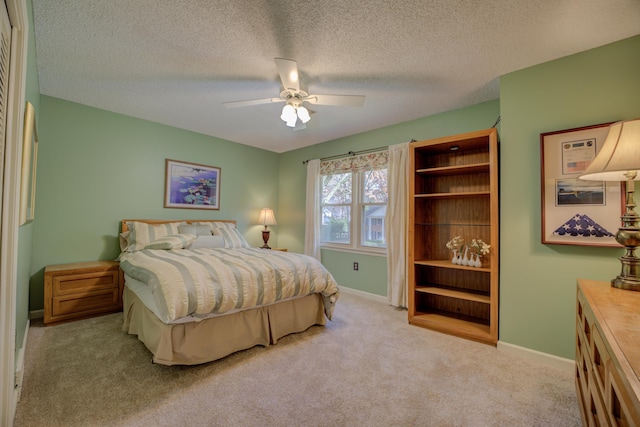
[[354, 202], [374, 207], [336, 208]]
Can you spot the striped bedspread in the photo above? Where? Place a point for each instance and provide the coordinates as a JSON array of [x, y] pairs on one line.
[[201, 281]]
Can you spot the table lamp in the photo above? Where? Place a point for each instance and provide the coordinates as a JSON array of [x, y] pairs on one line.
[[619, 160], [267, 218]]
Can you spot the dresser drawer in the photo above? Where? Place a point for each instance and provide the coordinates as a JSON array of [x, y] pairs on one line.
[[583, 376], [596, 412], [600, 359], [85, 282], [86, 303], [620, 405]]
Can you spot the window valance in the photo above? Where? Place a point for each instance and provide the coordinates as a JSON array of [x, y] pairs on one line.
[[356, 163]]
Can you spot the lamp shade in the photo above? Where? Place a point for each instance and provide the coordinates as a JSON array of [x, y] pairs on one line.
[[619, 155], [267, 217]]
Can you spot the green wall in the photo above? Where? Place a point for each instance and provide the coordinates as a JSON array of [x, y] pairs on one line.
[[371, 276], [96, 168], [538, 282]]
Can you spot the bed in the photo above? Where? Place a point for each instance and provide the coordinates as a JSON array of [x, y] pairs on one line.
[[194, 291]]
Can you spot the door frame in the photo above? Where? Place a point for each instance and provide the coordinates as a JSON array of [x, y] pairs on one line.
[[9, 217]]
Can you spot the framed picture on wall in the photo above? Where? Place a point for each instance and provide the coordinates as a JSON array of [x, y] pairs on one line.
[[29, 166], [191, 186], [575, 211]]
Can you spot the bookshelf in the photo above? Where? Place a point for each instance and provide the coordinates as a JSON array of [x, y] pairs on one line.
[[454, 192]]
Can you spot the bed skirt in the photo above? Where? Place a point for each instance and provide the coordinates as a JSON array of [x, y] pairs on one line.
[[216, 337]]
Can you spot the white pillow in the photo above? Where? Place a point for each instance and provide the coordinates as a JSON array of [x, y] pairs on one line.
[[207, 242], [173, 241], [197, 229]]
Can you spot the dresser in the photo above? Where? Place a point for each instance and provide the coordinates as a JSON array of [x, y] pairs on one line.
[[79, 290], [607, 354]]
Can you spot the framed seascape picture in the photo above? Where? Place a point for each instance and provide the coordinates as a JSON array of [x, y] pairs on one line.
[[574, 211], [191, 186]]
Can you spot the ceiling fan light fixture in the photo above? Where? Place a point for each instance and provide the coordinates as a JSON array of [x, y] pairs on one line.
[[288, 114], [303, 114], [293, 97], [292, 123]]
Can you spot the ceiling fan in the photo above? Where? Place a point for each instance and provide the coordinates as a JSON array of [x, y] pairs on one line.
[[294, 97]]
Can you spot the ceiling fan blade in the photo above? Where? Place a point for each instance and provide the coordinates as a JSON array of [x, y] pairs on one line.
[[288, 70], [236, 104], [340, 100]]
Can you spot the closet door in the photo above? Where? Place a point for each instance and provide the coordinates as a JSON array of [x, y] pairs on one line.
[[14, 28], [5, 45]]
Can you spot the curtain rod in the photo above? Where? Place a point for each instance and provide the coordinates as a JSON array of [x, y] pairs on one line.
[[350, 153]]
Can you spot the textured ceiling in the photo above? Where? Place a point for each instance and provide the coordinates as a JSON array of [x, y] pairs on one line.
[[176, 61]]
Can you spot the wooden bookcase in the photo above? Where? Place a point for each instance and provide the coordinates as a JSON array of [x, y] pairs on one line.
[[454, 192]]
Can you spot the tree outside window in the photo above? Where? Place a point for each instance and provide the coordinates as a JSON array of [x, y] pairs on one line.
[[336, 208], [374, 208]]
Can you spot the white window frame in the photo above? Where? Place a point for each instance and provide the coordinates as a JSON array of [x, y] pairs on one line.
[[357, 216]]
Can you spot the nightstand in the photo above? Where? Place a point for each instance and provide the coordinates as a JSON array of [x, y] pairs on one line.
[[80, 290]]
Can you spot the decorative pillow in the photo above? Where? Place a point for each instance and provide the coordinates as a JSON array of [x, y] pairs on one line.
[[233, 238], [124, 241], [227, 225], [141, 234], [197, 229], [172, 241], [207, 242], [216, 224]]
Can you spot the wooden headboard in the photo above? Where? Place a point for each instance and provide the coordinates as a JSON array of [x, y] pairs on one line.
[[164, 221]]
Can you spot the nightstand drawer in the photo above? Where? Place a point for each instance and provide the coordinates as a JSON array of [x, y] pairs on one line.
[[85, 282], [79, 290], [86, 303]]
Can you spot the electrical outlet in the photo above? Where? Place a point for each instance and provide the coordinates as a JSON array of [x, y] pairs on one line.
[[355, 266]]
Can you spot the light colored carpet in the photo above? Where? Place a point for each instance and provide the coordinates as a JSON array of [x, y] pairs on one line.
[[367, 367]]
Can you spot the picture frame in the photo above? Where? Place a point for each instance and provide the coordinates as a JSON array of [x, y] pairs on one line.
[[29, 166], [577, 212], [191, 186]]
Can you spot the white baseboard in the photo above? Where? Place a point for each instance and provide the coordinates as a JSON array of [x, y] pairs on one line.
[[538, 356], [36, 314], [363, 294], [20, 364]]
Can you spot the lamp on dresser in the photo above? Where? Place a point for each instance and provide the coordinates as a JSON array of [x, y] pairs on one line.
[[267, 218], [619, 160]]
